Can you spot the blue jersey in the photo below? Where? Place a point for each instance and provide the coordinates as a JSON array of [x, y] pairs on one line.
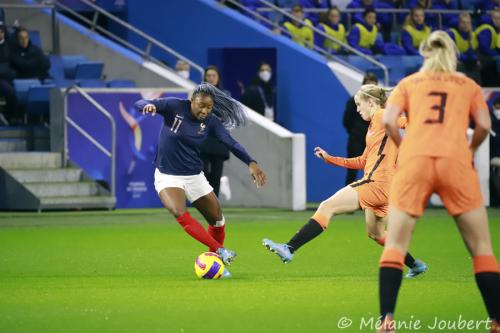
[[182, 135]]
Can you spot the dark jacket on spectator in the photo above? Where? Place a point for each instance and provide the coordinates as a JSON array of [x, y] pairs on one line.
[[6, 71], [30, 62], [258, 94], [355, 126]]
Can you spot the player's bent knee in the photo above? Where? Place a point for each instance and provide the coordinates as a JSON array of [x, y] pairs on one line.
[[177, 211]]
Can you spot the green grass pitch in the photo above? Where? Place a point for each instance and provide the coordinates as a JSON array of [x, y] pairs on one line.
[[132, 271]]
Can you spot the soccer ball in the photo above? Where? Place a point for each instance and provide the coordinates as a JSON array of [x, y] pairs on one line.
[[208, 266]]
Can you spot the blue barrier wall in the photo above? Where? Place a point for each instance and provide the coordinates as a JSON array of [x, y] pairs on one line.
[[310, 98]]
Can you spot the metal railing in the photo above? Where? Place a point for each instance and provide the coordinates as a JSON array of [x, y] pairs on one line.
[[324, 52], [111, 154], [150, 41]]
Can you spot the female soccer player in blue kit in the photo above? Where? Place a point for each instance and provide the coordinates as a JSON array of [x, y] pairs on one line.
[[179, 174]]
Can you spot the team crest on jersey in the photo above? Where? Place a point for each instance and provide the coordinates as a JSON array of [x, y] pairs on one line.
[[202, 128]]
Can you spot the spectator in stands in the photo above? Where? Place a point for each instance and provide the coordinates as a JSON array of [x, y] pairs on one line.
[[484, 6], [489, 49], [330, 24], [384, 20], [7, 74], [300, 32], [448, 20], [260, 94], [466, 41], [414, 31], [314, 4], [363, 36], [182, 68], [356, 129], [27, 59], [213, 152]]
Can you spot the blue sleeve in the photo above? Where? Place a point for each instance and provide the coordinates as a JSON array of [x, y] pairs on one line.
[[223, 135], [319, 39], [484, 39], [353, 40], [407, 43], [163, 105]]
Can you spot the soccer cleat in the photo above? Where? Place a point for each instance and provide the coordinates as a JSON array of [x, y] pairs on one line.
[[227, 256], [387, 325], [417, 269], [282, 250], [226, 274]]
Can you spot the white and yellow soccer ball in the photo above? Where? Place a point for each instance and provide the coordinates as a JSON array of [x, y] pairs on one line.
[[208, 265]]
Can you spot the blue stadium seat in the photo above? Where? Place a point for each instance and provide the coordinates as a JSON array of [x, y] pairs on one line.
[[412, 63], [91, 83], [89, 70], [366, 66], [121, 84], [35, 38], [395, 36], [69, 64], [22, 87], [56, 67], [38, 100]]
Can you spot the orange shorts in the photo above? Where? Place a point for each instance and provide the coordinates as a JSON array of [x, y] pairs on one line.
[[457, 183], [373, 195]]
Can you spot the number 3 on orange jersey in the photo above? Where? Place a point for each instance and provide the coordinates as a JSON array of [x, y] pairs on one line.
[[439, 107]]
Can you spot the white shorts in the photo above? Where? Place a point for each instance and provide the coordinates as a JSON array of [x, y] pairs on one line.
[[195, 186]]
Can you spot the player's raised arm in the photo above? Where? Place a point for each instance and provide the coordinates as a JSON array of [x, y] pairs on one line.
[[358, 162], [153, 106]]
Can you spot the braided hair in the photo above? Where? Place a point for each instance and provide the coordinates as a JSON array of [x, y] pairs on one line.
[[227, 109]]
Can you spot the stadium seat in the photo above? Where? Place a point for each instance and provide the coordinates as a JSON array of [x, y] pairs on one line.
[[91, 83], [38, 100], [412, 63], [366, 66], [69, 64], [22, 87], [56, 67], [121, 84], [35, 38], [393, 49], [88, 70]]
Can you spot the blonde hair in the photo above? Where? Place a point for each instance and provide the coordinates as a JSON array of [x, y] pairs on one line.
[[440, 53], [376, 93]]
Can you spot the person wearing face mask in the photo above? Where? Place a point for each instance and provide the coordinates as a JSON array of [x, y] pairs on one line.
[[182, 68], [260, 94], [213, 152]]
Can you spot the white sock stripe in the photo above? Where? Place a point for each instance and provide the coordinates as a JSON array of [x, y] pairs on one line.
[[221, 222]]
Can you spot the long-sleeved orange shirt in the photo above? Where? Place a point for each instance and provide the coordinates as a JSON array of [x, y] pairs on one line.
[[380, 155]]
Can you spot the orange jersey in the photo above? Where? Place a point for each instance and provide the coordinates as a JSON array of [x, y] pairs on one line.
[[439, 108], [380, 155]]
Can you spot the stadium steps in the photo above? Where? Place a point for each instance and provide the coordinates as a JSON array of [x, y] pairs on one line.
[[39, 181], [23, 138]]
